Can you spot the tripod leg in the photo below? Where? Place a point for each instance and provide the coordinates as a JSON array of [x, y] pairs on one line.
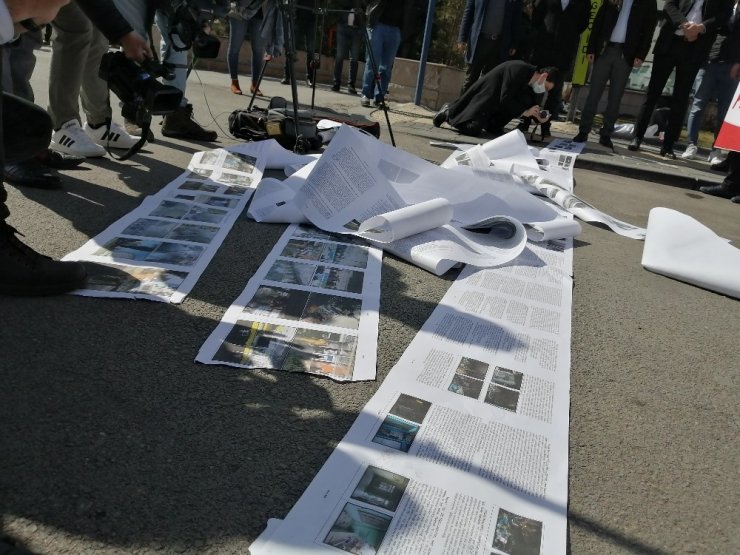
[[300, 144], [376, 72], [257, 85], [316, 62]]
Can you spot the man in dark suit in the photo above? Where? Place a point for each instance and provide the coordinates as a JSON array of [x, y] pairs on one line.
[[489, 32], [558, 26], [620, 40], [510, 90], [686, 36]]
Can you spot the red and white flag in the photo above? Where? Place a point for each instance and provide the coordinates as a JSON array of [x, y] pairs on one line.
[[729, 134]]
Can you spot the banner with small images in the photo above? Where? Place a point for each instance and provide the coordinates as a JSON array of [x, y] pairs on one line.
[[464, 447], [159, 250], [311, 307]]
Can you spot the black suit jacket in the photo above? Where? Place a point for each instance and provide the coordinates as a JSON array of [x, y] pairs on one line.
[[641, 24], [558, 31], [714, 14]]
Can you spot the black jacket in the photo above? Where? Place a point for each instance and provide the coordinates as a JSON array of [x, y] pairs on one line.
[[640, 28], [714, 14], [559, 31], [502, 94]]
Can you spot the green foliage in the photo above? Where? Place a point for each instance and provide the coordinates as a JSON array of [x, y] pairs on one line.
[[447, 19]]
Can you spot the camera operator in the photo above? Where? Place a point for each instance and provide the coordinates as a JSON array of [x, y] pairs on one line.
[[140, 14], [23, 271]]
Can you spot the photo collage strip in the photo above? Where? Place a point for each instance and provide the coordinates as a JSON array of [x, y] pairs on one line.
[[501, 391], [364, 520], [516, 535], [302, 311], [150, 252], [403, 422]]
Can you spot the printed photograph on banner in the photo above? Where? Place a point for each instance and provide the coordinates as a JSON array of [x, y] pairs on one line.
[[121, 248], [410, 408], [278, 302], [234, 178], [332, 310], [206, 215], [346, 255], [176, 254], [516, 535], [220, 202], [131, 279], [209, 158], [358, 530], [200, 172], [199, 186], [145, 227], [308, 231], [239, 162], [502, 397], [463, 385], [472, 368], [311, 275], [160, 229], [303, 250], [381, 488], [396, 433], [260, 345], [235, 191]]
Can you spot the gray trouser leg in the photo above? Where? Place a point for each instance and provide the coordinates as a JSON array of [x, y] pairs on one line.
[[75, 60]]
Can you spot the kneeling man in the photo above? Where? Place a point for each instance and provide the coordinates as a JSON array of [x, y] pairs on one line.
[[510, 90]]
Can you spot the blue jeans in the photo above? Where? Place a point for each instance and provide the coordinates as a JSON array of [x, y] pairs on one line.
[[168, 54], [239, 30], [384, 43], [349, 40], [715, 82]]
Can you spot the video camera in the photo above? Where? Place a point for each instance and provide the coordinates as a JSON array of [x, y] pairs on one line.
[[137, 87], [189, 19]]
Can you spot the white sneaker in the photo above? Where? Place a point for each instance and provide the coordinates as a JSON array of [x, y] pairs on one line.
[[690, 152], [717, 156], [364, 101], [115, 137], [71, 139]]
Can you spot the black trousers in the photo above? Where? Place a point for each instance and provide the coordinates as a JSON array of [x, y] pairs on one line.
[[487, 56], [26, 132], [682, 57]]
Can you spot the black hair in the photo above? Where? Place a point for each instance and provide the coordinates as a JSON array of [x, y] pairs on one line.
[[553, 73]]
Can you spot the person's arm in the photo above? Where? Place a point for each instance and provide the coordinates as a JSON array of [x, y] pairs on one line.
[[37, 12], [583, 15], [673, 15], [106, 17], [463, 37], [595, 37], [719, 17], [7, 31]]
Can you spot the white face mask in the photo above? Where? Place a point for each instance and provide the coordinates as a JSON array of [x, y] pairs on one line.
[[538, 87]]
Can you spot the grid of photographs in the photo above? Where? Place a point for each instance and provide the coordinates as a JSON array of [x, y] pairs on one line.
[[403, 422], [360, 529], [303, 310], [502, 389], [516, 535], [144, 254]]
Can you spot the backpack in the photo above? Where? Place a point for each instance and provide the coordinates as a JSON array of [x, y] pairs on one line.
[[275, 123]]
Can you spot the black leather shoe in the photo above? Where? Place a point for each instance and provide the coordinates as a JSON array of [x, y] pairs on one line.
[[606, 141], [735, 199], [25, 272], [441, 116], [634, 144], [60, 160], [721, 190], [668, 153], [582, 137], [31, 173], [545, 130], [284, 81], [335, 87]]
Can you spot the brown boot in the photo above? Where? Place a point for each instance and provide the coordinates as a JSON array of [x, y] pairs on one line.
[[180, 124], [25, 272], [235, 86]]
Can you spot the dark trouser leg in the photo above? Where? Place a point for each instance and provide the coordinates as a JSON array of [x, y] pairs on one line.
[[600, 75], [486, 49], [3, 193], [620, 74], [662, 67], [29, 125], [732, 180], [685, 74]]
